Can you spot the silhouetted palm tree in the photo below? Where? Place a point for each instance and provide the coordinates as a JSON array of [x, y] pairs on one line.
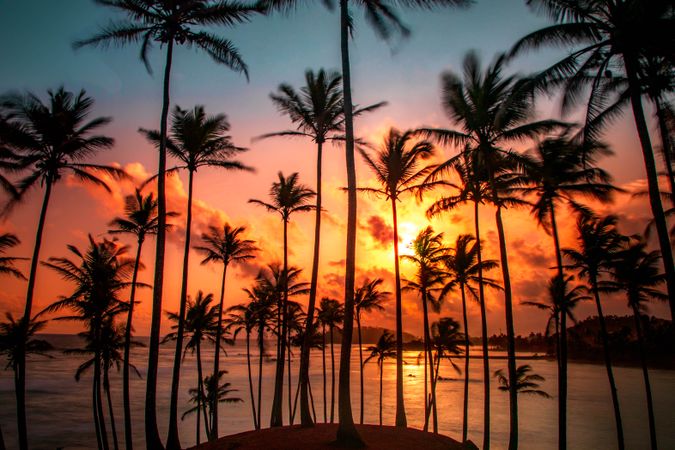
[[527, 382], [609, 34], [385, 348], [224, 246], [559, 171], [318, 112], [140, 220], [396, 168], [368, 297], [99, 277], [200, 323], [428, 251], [470, 188], [636, 272], [7, 267], [331, 315], [598, 242], [169, 23], [49, 140], [295, 321], [288, 197], [492, 111], [196, 140], [465, 270], [445, 341]]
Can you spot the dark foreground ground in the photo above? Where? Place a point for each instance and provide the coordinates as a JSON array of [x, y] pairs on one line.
[[322, 436]]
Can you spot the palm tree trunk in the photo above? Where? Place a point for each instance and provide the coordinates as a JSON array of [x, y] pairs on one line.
[[427, 357], [652, 182], [126, 395], [152, 439], [289, 381], [277, 418], [200, 390], [113, 427], [346, 433], [562, 310], [20, 379], [173, 440], [332, 375], [400, 407], [645, 374], [99, 402], [323, 350], [311, 398], [97, 422], [381, 364], [261, 351], [608, 364], [358, 327], [216, 358], [667, 149], [484, 339], [427, 337], [510, 334], [250, 377], [2, 441], [465, 409], [305, 417]]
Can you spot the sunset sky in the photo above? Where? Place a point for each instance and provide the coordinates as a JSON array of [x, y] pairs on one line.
[[37, 55]]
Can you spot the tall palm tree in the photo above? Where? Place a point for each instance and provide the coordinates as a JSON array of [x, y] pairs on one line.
[[224, 246], [428, 251], [331, 315], [196, 140], [446, 340], [492, 111], [559, 171], [598, 242], [140, 220], [49, 140], [466, 271], [396, 168], [288, 197], [367, 298], [470, 187], [99, 277], [199, 323], [385, 20], [636, 272], [527, 381], [169, 23], [317, 110], [384, 349], [610, 34]]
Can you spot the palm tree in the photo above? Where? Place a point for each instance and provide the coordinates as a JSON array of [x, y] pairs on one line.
[[470, 188], [199, 323], [492, 111], [428, 251], [635, 271], [99, 277], [215, 393], [445, 340], [557, 171], [527, 381], [16, 339], [243, 318], [331, 315], [598, 242], [294, 322], [195, 141], [610, 34], [383, 17], [396, 168], [288, 197], [224, 246], [169, 23], [46, 157], [140, 220], [466, 271], [368, 297], [317, 110], [7, 267], [385, 348]]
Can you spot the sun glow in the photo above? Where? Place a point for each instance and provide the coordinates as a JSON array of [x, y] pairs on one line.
[[407, 232]]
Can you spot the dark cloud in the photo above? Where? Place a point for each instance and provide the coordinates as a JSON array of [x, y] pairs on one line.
[[379, 230]]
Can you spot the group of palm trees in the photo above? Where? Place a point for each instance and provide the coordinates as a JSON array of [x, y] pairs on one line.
[[622, 54]]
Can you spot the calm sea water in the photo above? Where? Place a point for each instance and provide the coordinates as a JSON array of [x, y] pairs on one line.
[[59, 408]]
